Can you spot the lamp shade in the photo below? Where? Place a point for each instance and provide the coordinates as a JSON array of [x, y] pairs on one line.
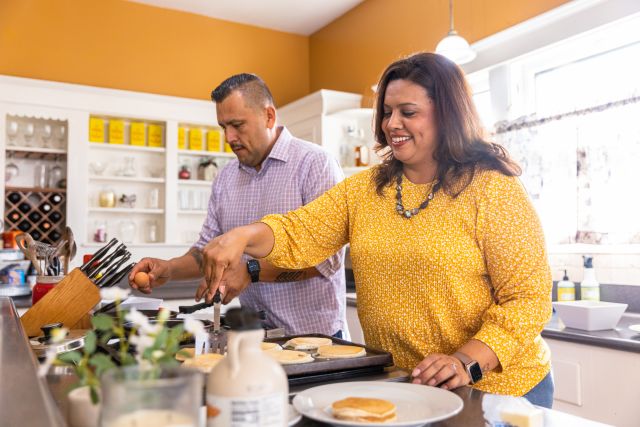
[[455, 48]]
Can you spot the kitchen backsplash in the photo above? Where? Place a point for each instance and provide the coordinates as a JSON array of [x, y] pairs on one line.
[[619, 269]]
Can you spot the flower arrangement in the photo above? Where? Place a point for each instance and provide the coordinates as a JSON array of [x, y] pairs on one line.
[[154, 345]]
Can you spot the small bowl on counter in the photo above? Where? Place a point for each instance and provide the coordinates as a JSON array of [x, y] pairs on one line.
[[590, 315]]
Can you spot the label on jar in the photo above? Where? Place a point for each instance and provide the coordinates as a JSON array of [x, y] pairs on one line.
[[259, 411], [566, 294]]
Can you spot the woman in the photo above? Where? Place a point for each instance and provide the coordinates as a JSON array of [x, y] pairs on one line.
[[447, 251]]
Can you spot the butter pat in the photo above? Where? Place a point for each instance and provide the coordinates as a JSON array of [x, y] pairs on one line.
[[523, 416]]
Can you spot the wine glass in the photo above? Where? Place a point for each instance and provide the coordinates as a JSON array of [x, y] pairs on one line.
[[12, 131], [11, 170], [61, 135], [46, 133], [28, 130], [55, 174]]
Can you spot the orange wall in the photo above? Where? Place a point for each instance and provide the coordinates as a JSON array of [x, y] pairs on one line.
[[350, 53], [124, 45]]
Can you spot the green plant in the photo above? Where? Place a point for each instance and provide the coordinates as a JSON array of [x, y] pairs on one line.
[[153, 345]]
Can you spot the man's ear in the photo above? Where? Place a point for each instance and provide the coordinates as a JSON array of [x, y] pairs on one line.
[[271, 116]]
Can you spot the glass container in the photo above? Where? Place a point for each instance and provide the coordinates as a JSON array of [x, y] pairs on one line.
[[161, 397], [127, 229], [107, 198]]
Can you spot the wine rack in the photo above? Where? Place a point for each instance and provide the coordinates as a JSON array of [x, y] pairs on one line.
[[40, 212]]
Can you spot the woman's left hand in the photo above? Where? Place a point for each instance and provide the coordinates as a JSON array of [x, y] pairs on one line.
[[440, 370]]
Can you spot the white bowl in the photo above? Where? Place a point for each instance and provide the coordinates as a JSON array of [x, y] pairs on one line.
[[590, 315]]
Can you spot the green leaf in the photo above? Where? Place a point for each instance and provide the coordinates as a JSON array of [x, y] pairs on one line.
[[71, 357], [161, 339], [102, 322], [184, 353], [101, 362], [90, 342], [105, 337]]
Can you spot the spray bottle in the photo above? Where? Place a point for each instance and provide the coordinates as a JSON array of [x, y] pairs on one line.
[[589, 287]]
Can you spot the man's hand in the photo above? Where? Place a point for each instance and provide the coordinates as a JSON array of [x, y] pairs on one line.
[[440, 370], [234, 281], [222, 258], [159, 273]]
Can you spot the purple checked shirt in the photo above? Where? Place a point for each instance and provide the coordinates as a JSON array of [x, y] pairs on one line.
[[292, 175]]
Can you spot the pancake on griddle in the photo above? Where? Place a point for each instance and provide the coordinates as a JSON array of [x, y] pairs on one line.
[[340, 351]]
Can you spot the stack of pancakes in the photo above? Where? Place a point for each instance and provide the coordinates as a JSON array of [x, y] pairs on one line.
[[364, 409]]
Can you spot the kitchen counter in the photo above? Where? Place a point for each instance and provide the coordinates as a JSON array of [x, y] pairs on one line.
[[620, 338]]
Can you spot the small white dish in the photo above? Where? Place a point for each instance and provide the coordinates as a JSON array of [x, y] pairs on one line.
[[635, 328], [294, 416]]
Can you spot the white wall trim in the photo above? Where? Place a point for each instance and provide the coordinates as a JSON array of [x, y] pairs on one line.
[[559, 24]]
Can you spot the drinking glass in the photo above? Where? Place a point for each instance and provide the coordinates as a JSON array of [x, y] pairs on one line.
[[40, 175], [127, 230], [55, 174], [61, 135], [28, 131], [11, 170], [46, 133], [12, 131], [135, 396]]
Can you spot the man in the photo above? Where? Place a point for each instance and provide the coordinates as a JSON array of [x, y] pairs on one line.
[[274, 173]]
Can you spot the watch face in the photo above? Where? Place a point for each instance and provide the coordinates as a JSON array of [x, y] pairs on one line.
[[474, 372]]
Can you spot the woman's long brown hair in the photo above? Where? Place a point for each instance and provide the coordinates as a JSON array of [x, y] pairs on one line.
[[461, 149]]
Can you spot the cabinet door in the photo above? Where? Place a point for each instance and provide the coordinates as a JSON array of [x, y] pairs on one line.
[[596, 383], [308, 130]]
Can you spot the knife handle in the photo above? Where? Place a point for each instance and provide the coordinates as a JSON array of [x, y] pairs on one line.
[[188, 309]]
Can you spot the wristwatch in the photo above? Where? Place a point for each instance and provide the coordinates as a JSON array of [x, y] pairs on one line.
[[471, 366], [253, 266]]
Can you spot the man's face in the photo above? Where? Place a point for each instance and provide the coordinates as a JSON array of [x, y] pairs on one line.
[[246, 128]]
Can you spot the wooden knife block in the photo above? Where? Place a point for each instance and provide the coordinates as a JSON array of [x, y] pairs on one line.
[[68, 302]]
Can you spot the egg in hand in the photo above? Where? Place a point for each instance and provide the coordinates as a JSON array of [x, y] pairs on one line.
[[141, 279]]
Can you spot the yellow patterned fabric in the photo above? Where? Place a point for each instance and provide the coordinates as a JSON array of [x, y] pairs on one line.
[[474, 266]]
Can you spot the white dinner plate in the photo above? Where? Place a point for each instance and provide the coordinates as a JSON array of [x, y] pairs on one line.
[[416, 404], [635, 328], [294, 416]]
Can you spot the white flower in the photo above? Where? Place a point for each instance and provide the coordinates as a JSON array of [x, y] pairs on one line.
[[141, 322], [194, 327], [142, 342], [50, 357], [157, 354], [58, 335], [114, 293], [163, 314]]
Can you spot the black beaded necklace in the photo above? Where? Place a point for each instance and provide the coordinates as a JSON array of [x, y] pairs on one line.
[[408, 213]]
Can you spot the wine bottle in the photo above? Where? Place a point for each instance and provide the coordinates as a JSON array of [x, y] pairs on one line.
[[56, 199], [14, 197], [55, 216], [36, 235], [55, 236], [44, 207], [35, 216], [24, 226], [45, 226], [24, 207], [14, 216]]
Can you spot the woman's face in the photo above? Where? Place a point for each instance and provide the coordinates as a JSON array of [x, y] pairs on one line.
[[409, 123]]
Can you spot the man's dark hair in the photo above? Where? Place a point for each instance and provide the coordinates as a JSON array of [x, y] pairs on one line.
[[253, 89]]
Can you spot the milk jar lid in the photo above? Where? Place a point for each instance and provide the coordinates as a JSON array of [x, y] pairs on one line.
[[242, 319], [588, 261], [566, 277]]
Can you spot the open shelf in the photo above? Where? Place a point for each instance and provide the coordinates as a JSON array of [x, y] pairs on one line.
[[127, 210], [202, 153], [194, 182], [126, 147], [34, 189], [126, 178]]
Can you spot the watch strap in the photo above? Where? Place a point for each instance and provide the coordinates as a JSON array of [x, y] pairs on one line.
[[253, 267], [471, 366]]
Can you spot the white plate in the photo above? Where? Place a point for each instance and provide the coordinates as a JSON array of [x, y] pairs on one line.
[[416, 404], [294, 416], [635, 328]]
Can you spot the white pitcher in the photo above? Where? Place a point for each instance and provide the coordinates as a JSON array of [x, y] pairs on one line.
[[247, 388]]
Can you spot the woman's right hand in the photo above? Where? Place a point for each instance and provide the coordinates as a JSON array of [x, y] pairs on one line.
[[158, 270], [221, 253]]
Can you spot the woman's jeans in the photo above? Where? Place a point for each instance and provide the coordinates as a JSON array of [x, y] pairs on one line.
[[542, 394]]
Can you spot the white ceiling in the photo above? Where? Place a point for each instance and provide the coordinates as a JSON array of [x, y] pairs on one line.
[[292, 16]]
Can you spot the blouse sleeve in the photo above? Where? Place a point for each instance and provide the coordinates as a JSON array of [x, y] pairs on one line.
[[511, 238], [312, 233]]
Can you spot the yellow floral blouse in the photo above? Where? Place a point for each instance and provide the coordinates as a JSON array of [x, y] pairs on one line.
[[474, 266]]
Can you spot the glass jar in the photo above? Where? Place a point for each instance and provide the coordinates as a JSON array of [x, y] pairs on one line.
[[43, 285], [107, 198], [152, 231], [127, 230], [40, 175], [160, 397]]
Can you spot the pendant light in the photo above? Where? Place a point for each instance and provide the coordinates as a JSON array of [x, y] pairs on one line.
[[453, 46]]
